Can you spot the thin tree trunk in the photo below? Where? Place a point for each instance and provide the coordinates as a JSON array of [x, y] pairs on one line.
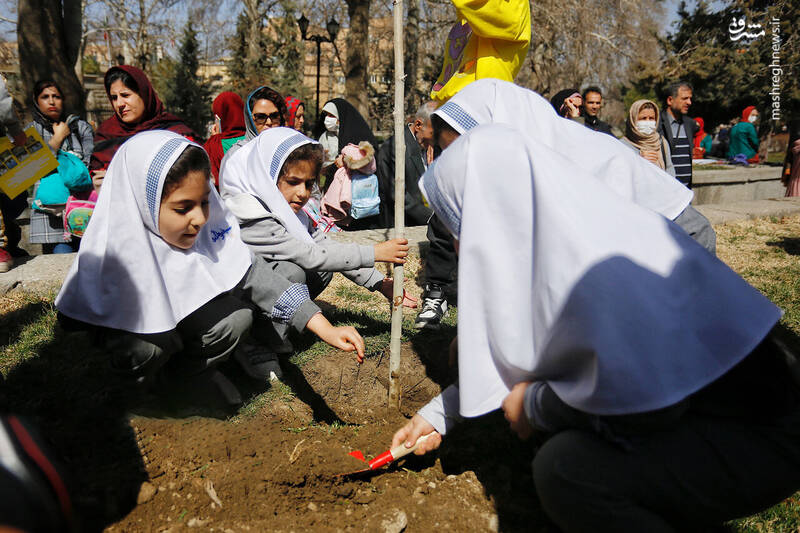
[[399, 207], [355, 72], [252, 11], [43, 49]]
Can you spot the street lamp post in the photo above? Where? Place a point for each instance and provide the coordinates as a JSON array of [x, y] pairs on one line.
[[333, 28]]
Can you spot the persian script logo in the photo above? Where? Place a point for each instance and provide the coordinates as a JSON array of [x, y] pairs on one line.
[[737, 28], [217, 235]]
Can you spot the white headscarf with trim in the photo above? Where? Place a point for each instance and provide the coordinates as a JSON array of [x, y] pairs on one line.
[[492, 101], [126, 276], [562, 280], [252, 175]]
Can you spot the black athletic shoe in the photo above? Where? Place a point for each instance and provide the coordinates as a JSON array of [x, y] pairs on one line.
[[434, 308], [258, 362]]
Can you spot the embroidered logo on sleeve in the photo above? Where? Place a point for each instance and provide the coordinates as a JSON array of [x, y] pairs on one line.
[[217, 235]]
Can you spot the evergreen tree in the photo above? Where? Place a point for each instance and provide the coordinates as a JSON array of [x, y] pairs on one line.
[[727, 74], [237, 66], [189, 96]]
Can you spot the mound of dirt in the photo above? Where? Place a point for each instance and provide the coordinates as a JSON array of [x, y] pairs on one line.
[[281, 471]]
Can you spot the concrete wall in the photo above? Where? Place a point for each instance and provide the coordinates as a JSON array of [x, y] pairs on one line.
[[736, 184]]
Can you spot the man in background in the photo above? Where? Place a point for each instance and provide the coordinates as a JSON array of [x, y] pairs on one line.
[[679, 129], [592, 103], [419, 154]]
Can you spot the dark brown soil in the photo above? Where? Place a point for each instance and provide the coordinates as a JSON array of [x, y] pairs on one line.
[[280, 471]]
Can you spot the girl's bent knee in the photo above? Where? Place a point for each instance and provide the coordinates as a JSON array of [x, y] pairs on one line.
[[227, 332]]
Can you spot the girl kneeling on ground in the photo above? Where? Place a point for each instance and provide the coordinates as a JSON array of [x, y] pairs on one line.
[[163, 271], [643, 359], [265, 185]]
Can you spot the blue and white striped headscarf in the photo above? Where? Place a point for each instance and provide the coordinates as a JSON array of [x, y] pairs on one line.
[[614, 306], [251, 176], [126, 276]]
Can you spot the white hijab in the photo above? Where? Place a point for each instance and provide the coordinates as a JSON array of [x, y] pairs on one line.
[[250, 181], [492, 101], [126, 276], [561, 280]]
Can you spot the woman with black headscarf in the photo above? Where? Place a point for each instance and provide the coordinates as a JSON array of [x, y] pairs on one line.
[[61, 132], [338, 125]]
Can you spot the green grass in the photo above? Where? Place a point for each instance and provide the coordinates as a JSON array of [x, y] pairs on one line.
[[776, 157], [765, 253], [27, 323]]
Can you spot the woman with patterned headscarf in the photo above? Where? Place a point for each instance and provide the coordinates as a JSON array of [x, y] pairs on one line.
[[295, 113], [641, 133]]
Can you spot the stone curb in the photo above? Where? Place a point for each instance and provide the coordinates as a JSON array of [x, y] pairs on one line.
[[45, 273]]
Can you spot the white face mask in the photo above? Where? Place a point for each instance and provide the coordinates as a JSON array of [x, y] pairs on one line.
[[753, 117], [331, 124], [646, 126]]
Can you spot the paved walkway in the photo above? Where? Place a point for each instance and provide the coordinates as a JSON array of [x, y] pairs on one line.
[[43, 273]]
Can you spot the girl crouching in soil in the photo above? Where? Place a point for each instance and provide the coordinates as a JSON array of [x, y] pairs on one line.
[[265, 185], [643, 359], [163, 272]]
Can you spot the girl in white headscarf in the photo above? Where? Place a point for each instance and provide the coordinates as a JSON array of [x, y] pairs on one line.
[[266, 185], [618, 334], [491, 101], [163, 272]]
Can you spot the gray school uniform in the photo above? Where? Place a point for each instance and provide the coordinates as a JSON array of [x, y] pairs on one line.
[[268, 238], [210, 334]]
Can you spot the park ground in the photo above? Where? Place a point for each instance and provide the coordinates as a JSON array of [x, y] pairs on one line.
[[138, 461]]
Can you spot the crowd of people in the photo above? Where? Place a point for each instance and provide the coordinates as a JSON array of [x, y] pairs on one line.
[[593, 309]]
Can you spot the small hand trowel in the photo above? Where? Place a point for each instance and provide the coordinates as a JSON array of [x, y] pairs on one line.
[[386, 457]]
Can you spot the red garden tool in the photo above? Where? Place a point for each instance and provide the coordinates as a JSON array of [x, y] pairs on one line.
[[386, 457]]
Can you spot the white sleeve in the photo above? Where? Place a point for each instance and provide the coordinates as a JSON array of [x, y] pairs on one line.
[[442, 411]]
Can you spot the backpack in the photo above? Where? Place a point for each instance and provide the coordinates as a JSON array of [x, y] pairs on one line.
[[353, 193], [77, 213], [365, 200]]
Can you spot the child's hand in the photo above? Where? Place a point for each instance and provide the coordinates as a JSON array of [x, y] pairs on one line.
[[387, 289], [416, 428], [515, 411], [97, 179], [392, 251], [343, 337]]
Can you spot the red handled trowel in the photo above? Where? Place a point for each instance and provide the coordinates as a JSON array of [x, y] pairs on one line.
[[386, 457]]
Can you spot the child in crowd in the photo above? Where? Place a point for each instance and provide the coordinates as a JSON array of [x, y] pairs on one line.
[[620, 340], [163, 273], [265, 185]]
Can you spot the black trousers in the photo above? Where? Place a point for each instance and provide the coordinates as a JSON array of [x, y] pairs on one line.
[[441, 263], [733, 450]]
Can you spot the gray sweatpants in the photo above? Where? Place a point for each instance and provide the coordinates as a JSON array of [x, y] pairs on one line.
[[200, 341], [698, 227]]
